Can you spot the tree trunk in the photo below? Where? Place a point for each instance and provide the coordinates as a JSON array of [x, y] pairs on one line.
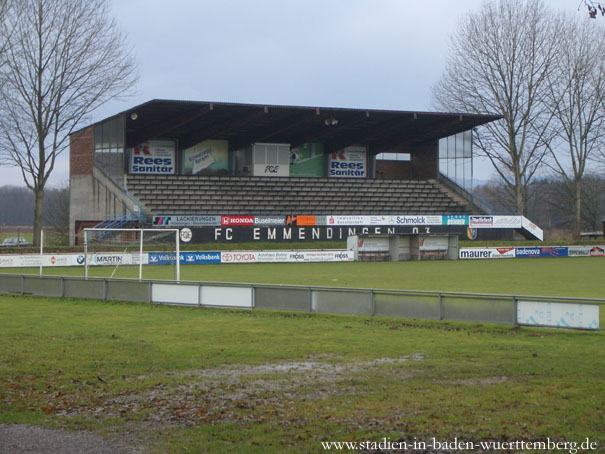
[[578, 222], [519, 192], [38, 211]]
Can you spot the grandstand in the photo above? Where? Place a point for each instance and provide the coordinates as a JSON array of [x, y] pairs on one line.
[[285, 196], [166, 158]]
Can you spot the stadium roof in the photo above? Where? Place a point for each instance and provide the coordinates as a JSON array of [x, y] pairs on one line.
[[242, 124]]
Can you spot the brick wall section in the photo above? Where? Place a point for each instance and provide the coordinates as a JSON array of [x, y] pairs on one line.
[[424, 163], [394, 170], [425, 160], [81, 152]]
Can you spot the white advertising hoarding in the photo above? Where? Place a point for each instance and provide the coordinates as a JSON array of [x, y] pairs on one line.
[[532, 228], [156, 157], [487, 253], [226, 296], [372, 244], [52, 260], [421, 219], [286, 256], [176, 294], [434, 243], [558, 315], [114, 259], [349, 162]]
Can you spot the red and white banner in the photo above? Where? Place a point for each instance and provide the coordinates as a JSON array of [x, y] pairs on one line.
[[237, 220]]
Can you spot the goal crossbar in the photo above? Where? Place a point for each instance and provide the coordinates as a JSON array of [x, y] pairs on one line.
[[142, 233]]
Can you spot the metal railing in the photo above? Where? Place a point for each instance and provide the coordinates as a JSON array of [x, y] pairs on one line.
[[425, 305]]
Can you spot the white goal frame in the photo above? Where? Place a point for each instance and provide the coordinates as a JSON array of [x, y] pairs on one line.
[[142, 233]]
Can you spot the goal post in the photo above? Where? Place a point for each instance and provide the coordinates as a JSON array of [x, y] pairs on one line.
[[135, 239]]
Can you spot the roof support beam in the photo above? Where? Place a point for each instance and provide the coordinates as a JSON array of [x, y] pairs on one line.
[[332, 132], [382, 132], [164, 128], [224, 128], [274, 131]]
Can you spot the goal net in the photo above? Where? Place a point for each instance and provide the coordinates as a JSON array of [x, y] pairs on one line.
[[137, 247]]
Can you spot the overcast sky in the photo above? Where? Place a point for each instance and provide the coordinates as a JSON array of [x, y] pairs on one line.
[[383, 54]]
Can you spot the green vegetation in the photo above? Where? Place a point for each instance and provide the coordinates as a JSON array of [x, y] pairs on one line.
[[208, 380]]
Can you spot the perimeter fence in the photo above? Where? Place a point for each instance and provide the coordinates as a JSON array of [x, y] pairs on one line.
[[561, 312]]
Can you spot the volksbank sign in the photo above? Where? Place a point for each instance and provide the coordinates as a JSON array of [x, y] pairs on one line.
[[167, 258]]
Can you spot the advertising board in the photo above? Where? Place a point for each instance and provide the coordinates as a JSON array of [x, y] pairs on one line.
[[371, 244], [523, 252], [499, 222], [597, 251], [579, 251], [486, 253], [114, 259], [237, 220], [187, 258], [307, 160], [271, 159], [455, 219], [532, 228], [434, 243], [558, 315], [269, 220], [186, 221], [507, 222], [155, 157], [286, 256], [349, 162], [303, 220], [553, 252], [481, 222], [210, 157], [386, 220], [239, 257], [48, 260]]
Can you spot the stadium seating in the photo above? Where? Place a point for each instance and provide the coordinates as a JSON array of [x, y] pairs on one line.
[[285, 196]]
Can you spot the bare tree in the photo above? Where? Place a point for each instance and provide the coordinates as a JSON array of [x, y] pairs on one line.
[[63, 59], [593, 8], [56, 215], [577, 88], [498, 61]]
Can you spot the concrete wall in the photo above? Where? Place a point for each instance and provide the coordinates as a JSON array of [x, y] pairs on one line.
[[94, 197]]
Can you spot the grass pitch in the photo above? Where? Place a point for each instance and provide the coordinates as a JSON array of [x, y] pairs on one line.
[[205, 380], [571, 277]]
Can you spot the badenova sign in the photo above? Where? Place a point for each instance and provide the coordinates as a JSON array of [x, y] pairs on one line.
[[156, 157], [350, 162]]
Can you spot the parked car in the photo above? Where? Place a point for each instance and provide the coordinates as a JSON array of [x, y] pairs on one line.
[[15, 242]]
